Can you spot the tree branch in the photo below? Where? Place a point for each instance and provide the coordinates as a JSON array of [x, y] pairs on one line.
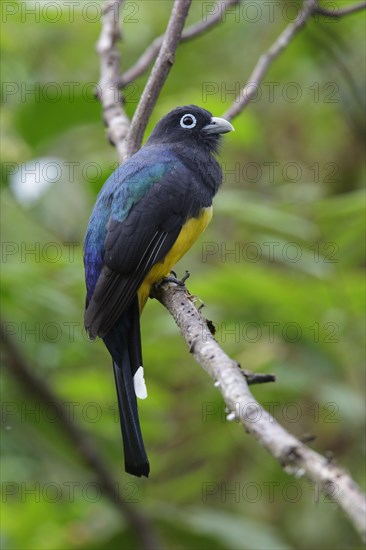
[[80, 440], [294, 457], [310, 7], [340, 12], [265, 61], [114, 116], [188, 34], [159, 73]]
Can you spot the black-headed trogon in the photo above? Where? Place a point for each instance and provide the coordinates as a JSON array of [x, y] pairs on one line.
[[147, 215]]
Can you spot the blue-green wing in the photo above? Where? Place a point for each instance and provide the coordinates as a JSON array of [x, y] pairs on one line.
[[145, 222]]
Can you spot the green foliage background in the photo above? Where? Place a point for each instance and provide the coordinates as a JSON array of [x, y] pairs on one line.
[[211, 485]]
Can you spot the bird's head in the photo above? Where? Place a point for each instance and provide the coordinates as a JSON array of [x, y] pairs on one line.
[[190, 125]]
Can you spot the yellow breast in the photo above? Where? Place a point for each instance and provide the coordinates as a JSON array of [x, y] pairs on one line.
[[190, 232]]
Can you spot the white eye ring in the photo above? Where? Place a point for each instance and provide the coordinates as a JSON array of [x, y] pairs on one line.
[[193, 121]]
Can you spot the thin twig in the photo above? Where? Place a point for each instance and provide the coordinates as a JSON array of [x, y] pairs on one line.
[[265, 61], [257, 377], [79, 438], [158, 76], [310, 7], [115, 118], [295, 457], [340, 12], [216, 16]]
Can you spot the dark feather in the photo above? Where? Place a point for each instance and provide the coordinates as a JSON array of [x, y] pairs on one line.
[[115, 291], [123, 343]]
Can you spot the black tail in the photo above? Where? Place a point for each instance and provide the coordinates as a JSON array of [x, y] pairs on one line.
[[123, 343]]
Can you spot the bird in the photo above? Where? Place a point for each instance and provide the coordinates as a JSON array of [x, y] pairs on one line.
[[147, 215]]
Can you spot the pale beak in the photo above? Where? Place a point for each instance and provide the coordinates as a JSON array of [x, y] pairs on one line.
[[218, 126]]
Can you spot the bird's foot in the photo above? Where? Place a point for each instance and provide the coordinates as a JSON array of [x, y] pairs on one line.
[[172, 278]]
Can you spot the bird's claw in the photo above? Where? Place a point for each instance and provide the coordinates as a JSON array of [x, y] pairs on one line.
[[172, 278]]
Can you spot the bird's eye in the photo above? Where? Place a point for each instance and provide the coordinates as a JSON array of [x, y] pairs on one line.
[[188, 121]]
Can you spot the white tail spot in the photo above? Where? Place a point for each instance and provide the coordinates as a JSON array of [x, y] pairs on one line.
[[139, 384]]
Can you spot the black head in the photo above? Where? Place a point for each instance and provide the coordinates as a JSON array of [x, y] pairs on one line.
[[190, 125]]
